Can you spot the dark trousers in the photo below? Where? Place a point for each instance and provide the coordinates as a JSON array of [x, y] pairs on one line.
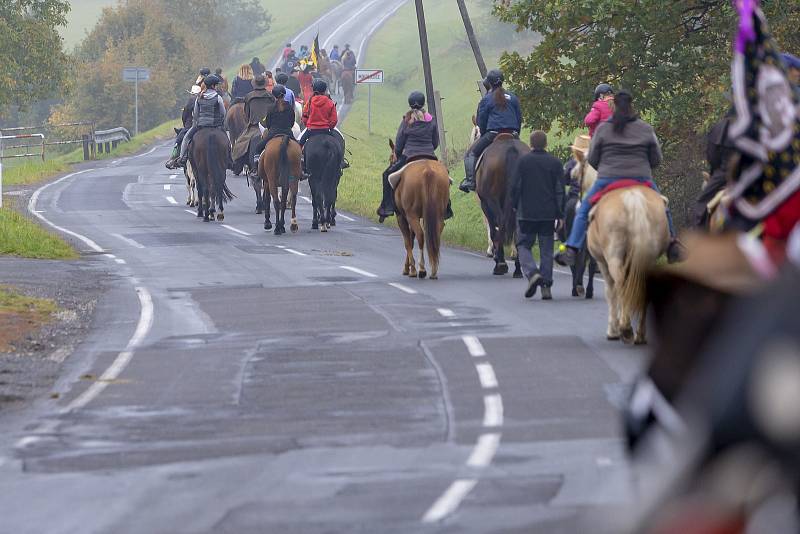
[[528, 232]]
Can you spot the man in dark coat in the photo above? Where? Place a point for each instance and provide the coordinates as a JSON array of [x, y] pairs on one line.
[[293, 83], [257, 104], [537, 193]]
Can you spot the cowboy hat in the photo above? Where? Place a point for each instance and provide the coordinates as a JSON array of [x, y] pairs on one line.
[[581, 144], [259, 82]]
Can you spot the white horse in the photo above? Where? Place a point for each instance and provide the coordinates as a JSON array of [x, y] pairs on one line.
[[191, 186]]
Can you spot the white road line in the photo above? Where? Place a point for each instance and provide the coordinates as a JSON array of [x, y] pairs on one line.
[[345, 217], [171, 200], [190, 212], [403, 288], [123, 359], [25, 441], [354, 16], [449, 501], [236, 230], [375, 27], [166, 187], [32, 208], [486, 375], [280, 246], [444, 312], [128, 240], [173, 176], [493, 410], [120, 261], [474, 346], [109, 256], [295, 252], [358, 271], [484, 451]]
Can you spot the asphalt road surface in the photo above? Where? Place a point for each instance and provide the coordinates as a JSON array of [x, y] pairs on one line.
[[239, 382]]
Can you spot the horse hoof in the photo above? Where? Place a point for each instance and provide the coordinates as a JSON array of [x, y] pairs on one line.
[[206, 219], [323, 228], [422, 274], [434, 277], [578, 291], [640, 341], [627, 336], [612, 337], [405, 272], [489, 253], [589, 295], [517, 274], [294, 227], [500, 269], [267, 225], [314, 226], [333, 222], [221, 217]]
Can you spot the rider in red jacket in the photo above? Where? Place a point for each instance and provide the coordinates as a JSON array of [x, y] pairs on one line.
[[320, 117], [601, 109]]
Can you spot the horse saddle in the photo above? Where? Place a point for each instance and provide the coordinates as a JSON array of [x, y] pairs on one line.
[[394, 178], [616, 185]]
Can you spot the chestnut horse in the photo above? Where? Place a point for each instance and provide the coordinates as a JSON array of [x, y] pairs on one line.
[[420, 197], [279, 166], [235, 125]]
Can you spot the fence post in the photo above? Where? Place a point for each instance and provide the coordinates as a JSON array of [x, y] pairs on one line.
[[85, 138]]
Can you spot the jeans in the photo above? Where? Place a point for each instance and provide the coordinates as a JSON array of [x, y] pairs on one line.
[[528, 232], [186, 140], [578, 235]]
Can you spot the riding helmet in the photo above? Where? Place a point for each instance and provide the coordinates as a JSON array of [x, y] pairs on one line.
[[602, 89], [205, 71], [416, 100], [495, 78], [279, 91], [211, 81], [282, 78], [320, 86]]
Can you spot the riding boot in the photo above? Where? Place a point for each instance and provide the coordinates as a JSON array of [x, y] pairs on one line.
[[448, 214], [345, 164], [387, 207], [468, 184]]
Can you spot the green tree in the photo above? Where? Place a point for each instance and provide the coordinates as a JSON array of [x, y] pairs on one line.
[[674, 56], [33, 65]]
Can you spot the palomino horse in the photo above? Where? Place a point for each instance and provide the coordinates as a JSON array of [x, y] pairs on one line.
[[493, 181], [279, 166], [210, 157], [627, 234], [323, 162], [348, 81], [586, 176], [235, 125], [420, 197]]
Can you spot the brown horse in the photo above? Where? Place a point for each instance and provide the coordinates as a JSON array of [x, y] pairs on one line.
[[493, 181], [279, 166], [210, 158], [336, 69], [420, 197], [348, 81], [235, 125]]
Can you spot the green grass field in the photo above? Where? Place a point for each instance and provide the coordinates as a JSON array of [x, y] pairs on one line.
[[20, 236]]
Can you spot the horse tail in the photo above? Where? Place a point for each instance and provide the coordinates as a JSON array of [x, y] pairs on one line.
[[218, 161], [333, 169], [638, 258], [283, 163], [509, 218], [432, 216]]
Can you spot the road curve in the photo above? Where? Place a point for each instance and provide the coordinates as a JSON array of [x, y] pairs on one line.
[[240, 382]]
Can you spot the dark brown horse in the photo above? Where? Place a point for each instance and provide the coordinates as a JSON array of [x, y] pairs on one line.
[[210, 158], [493, 181], [323, 155], [279, 167], [348, 81], [420, 197], [235, 125]]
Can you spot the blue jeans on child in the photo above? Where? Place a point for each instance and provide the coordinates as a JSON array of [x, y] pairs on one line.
[[578, 235]]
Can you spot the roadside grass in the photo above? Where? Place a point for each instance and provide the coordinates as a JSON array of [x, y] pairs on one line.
[[21, 315], [20, 236]]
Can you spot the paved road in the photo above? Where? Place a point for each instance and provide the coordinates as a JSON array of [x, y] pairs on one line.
[[236, 381]]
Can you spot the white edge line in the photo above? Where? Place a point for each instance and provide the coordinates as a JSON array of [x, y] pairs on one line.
[[486, 375], [493, 410], [484, 450], [232, 229], [403, 288], [346, 218], [358, 271], [295, 252], [190, 212], [128, 240], [172, 200], [449, 500], [173, 176], [474, 346], [444, 312]]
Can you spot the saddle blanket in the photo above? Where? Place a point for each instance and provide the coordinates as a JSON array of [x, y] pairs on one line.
[[617, 184], [394, 178]]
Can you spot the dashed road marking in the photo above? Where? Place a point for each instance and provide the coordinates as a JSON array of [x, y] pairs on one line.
[[166, 187], [444, 312], [493, 410], [404, 289], [484, 450], [173, 176], [190, 212], [295, 252], [449, 500], [486, 375], [358, 271], [120, 261], [171, 200], [128, 240], [474, 346], [235, 230]]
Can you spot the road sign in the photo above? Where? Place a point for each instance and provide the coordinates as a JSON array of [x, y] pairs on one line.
[[369, 76], [135, 74]]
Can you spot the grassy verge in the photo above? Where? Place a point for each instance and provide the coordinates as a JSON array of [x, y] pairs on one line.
[[394, 49], [20, 236], [20, 315]]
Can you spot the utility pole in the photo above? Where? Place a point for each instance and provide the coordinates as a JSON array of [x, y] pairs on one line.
[[473, 41], [426, 58]]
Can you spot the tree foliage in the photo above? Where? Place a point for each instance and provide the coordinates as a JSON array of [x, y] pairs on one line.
[[33, 64], [674, 56]]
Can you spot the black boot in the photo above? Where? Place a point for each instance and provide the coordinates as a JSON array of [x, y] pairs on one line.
[[448, 214], [468, 184], [387, 207], [675, 251], [566, 257]]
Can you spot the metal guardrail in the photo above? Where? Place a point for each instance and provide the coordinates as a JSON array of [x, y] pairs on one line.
[[110, 138]]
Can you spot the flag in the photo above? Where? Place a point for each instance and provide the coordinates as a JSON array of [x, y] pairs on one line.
[[313, 58], [766, 129]]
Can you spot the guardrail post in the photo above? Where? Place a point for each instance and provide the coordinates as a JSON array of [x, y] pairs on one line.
[[108, 147], [85, 139]]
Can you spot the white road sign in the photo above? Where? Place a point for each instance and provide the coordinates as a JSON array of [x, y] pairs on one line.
[[134, 74], [369, 76]]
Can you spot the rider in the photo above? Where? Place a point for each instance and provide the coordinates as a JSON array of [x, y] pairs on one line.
[[279, 121], [719, 151], [293, 83], [320, 117], [335, 55], [306, 81], [186, 119], [205, 71], [259, 102], [304, 52], [348, 58], [257, 67], [498, 112], [282, 79], [625, 147], [209, 112], [242, 83], [601, 108], [417, 138]]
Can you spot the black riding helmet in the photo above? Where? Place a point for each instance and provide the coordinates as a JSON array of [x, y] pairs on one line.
[[495, 78], [282, 78], [211, 81], [416, 100], [205, 71], [602, 89], [279, 91], [320, 86]]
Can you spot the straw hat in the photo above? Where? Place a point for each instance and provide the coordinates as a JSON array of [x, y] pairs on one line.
[[581, 144]]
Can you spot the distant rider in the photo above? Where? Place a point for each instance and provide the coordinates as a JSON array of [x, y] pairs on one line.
[[209, 112], [601, 108], [335, 55], [417, 138], [498, 112], [624, 147], [348, 58]]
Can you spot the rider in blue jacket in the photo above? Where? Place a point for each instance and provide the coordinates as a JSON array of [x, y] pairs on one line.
[[498, 112]]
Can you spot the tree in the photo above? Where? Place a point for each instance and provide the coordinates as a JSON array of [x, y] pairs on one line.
[[34, 65], [674, 56]]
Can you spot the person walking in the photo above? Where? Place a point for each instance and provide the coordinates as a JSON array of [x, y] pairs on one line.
[[538, 195]]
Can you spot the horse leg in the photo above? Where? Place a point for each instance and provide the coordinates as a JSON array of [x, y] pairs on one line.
[[284, 203], [259, 197], [612, 333], [276, 203], [641, 328], [409, 268], [515, 254], [416, 227], [616, 273], [592, 273], [295, 227], [578, 271], [265, 202]]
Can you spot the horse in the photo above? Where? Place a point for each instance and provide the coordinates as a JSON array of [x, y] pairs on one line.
[[323, 157], [235, 125], [586, 176], [279, 166], [210, 157], [348, 82], [191, 185], [493, 181], [420, 197], [627, 234], [336, 77]]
